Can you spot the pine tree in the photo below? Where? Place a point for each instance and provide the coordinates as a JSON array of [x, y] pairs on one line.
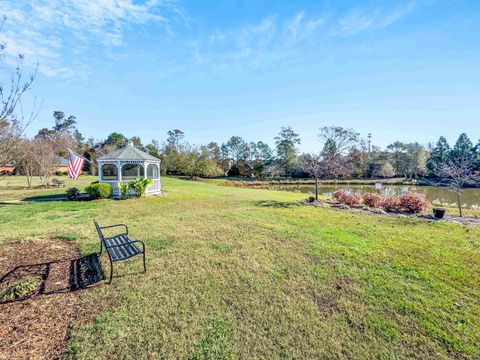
[[286, 142], [463, 149], [439, 155]]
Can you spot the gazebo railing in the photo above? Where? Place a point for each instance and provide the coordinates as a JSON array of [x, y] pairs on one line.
[[155, 186]]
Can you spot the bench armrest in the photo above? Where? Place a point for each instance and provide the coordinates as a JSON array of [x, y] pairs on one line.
[[117, 225]]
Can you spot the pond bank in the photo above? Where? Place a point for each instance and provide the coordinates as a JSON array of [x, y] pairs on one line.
[[240, 182]]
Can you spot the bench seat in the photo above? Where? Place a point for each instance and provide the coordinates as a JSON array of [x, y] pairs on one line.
[[121, 248]]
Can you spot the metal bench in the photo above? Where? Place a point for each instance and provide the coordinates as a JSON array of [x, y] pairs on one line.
[[119, 247], [58, 183]]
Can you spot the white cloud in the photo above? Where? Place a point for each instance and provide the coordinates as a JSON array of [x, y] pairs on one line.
[[60, 33], [358, 21], [256, 45], [45, 31], [273, 41]]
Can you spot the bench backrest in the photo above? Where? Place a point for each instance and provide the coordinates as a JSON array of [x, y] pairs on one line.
[[99, 230]]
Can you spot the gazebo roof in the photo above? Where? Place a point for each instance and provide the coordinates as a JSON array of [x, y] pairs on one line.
[[128, 152]]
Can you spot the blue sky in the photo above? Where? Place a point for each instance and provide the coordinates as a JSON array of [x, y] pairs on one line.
[[402, 70]]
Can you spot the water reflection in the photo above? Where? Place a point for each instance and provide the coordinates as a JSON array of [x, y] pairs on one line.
[[436, 195]]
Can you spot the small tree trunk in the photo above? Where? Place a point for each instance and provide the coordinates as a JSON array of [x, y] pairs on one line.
[[29, 179], [459, 200], [316, 189]]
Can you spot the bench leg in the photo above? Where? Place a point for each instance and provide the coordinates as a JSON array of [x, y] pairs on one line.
[[111, 272], [144, 265]]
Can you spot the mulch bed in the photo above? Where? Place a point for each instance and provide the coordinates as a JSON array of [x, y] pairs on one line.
[[465, 220], [38, 326]]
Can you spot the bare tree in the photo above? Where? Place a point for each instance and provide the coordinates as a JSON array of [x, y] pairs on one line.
[[337, 140], [337, 143], [314, 165], [26, 159], [46, 159], [13, 121], [458, 173]]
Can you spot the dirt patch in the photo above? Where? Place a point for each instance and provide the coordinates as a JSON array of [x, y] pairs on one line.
[[37, 326], [337, 290], [465, 220]]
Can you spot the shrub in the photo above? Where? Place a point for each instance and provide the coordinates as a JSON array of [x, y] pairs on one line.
[[99, 191], [413, 203], [352, 200], [140, 185], [59, 173], [390, 204], [73, 194], [123, 189], [371, 200], [344, 197], [339, 195]]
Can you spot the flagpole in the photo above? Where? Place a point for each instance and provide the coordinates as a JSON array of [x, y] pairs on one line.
[[80, 156]]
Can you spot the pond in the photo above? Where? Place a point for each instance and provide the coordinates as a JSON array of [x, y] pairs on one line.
[[436, 195]]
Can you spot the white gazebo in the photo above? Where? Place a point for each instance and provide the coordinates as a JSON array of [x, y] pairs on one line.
[[127, 164]]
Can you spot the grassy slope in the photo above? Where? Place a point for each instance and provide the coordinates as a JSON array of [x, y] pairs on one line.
[[249, 273]]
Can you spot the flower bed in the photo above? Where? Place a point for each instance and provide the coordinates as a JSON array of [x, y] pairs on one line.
[[408, 203]]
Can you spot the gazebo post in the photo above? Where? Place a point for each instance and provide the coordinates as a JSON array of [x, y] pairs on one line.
[[119, 171]]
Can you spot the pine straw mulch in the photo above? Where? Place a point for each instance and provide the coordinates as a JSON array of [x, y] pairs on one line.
[[38, 326]]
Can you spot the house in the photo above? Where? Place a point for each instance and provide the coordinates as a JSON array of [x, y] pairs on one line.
[[7, 169], [11, 169], [62, 164]]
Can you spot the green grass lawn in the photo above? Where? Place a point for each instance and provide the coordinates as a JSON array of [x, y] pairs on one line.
[[245, 273], [14, 188]]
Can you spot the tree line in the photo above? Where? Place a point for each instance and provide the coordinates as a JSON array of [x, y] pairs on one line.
[[342, 153]]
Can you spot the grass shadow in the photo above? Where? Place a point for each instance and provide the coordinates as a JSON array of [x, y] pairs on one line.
[[275, 204], [52, 197]]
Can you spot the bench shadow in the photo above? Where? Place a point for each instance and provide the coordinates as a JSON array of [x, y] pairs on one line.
[[60, 276], [275, 204]]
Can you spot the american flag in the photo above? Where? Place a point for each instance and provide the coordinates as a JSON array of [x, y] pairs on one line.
[[75, 165]]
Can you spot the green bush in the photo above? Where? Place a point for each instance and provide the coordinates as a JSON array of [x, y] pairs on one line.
[[58, 173], [124, 187], [140, 185], [20, 289], [99, 191], [73, 194]]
